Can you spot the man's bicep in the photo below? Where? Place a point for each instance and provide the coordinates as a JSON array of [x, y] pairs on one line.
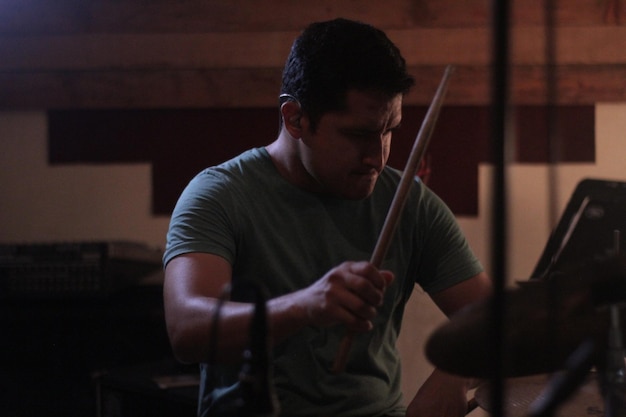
[[196, 274], [193, 282]]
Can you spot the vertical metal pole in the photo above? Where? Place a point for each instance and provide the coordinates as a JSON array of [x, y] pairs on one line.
[[500, 37], [554, 145]]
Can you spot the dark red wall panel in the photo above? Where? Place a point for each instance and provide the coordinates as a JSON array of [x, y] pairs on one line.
[[181, 142]]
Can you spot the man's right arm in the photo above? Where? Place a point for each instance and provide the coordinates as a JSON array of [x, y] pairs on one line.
[[194, 282], [192, 288]]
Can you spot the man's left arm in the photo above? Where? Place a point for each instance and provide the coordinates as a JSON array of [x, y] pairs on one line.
[[443, 394]]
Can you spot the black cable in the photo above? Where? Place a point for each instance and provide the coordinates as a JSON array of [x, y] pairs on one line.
[[258, 398], [214, 337]]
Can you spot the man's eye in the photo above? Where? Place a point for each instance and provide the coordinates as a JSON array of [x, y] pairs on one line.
[[368, 134]]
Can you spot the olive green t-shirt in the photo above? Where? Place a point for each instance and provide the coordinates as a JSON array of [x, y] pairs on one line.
[[276, 234]]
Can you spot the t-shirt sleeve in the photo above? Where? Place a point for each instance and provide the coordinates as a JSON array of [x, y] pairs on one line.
[[447, 258], [200, 220]]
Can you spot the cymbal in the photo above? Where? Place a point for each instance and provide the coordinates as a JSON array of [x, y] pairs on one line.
[[544, 322], [521, 392]]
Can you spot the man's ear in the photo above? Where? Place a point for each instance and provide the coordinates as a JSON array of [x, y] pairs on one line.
[[292, 114]]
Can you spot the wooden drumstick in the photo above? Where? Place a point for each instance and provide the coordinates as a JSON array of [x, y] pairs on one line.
[[399, 199]]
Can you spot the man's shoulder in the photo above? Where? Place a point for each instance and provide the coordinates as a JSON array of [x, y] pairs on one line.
[[249, 175], [242, 166], [254, 158]]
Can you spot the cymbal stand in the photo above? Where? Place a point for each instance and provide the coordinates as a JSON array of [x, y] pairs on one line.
[[563, 384], [613, 375]]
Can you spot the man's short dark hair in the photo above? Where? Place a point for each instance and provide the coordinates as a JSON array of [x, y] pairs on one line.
[[330, 58]]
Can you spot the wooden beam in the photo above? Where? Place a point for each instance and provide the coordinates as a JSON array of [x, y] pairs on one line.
[[145, 52], [576, 45], [259, 87], [201, 16], [211, 53], [140, 89]]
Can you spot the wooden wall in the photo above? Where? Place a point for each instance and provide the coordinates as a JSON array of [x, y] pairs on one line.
[[217, 53], [206, 65]]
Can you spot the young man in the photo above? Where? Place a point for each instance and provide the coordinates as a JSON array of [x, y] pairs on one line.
[[301, 216]]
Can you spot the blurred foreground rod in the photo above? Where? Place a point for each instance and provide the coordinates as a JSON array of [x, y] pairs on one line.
[[397, 205]]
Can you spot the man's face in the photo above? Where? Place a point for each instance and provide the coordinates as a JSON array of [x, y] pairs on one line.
[[350, 148]]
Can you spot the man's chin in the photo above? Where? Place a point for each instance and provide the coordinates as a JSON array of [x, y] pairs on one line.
[[353, 190], [358, 193]]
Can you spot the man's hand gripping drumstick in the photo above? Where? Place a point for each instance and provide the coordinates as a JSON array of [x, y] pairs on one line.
[[397, 205]]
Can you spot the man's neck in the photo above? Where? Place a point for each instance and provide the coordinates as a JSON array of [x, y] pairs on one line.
[[284, 154]]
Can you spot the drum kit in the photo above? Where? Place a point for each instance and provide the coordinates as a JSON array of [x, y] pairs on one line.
[[562, 340]]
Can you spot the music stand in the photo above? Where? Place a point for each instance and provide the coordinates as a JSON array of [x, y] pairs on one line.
[[593, 224]]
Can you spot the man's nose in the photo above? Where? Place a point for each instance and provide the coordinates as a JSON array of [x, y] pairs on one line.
[[375, 151]]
